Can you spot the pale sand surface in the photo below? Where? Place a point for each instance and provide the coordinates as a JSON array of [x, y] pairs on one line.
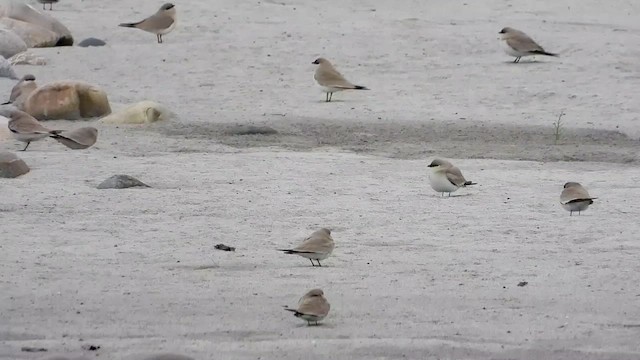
[[413, 275]]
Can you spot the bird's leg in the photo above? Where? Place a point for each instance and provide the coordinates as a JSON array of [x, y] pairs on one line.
[[43, 6], [308, 323], [318, 262], [316, 323], [51, 6], [570, 212], [312, 264], [25, 148], [330, 96]]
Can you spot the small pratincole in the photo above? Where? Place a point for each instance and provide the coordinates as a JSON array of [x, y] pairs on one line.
[[518, 44], [24, 127], [331, 80], [574, 197], [22, 90], [312, 307], [160, 23], [318, 246], [446, 178]]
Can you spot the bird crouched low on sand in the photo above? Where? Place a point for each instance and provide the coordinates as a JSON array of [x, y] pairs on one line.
[[312, 307], [24, 127], [160, 23], [318, 246], [331, 80], [518, 44], [574, 197], [446, 178]]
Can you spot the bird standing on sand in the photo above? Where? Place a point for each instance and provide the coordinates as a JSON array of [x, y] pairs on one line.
[[26, 128], [21, 90], [50, 2], [312, 307], [574, 197], [518, 44], [446, 178], [331, 80], [77, 139], [160, 23], [318, 246]]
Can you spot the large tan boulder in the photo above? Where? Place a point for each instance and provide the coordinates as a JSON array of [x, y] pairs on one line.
[[70, 100], [143, 112], [33, 35], [26, 13]]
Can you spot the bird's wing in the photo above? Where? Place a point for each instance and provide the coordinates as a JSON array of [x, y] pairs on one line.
[[315, 305], [573, 194], [454, 175], [27, 127], [316, 243], [332, 78], [522, 42], [156, 21]]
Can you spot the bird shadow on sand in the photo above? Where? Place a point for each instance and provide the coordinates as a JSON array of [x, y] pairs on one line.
[[455, 196], [526, 62]]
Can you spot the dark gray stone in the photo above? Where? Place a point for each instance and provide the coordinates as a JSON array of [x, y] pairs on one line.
[[11, 166], [121, 182], [91, 42]]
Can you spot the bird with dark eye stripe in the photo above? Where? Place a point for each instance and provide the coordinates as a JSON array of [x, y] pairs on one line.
[[160, 23], [575, 197]]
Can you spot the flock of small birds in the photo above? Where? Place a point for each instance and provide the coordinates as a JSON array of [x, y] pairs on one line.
[[445, 178]]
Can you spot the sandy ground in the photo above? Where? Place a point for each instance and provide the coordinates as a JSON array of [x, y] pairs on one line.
[[413, 275]]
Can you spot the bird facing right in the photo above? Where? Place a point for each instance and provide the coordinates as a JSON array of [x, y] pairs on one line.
[[318, 246], [331, 80], [517, 43], [312, 307], [574, 197], [446, 178], [160, 23]]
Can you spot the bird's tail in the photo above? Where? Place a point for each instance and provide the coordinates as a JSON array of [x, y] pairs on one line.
[[542, 52], [467, 183], [358, 87], [128, 24]]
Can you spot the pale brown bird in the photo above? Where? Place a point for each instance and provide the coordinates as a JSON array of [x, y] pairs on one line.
[[331, 80], [312, 307], [160, 23], [574, 197], [25, 128], [446, 178], [80, 138], [21, 90], [318, 246], [518, 44]]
